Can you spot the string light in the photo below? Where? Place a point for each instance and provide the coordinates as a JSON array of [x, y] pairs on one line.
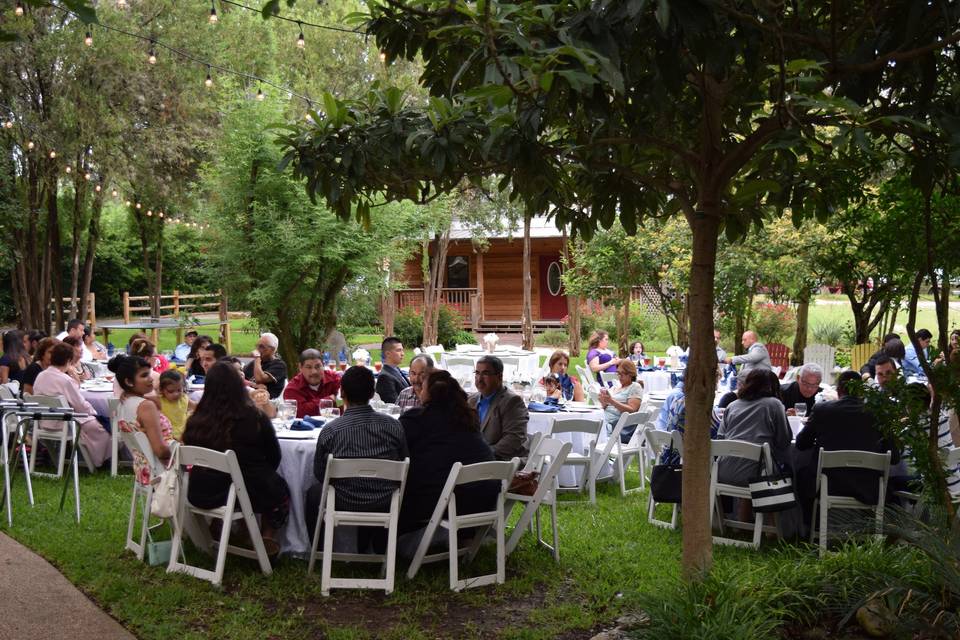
[[129, 203], [121, 4], [30, 145], [19, 9], [9, 124], [209, 81], [88, 39], [67, 169], [301, 43], [97, 188], [53, 154], [213, 12], [152, 54], [149, 213], [159, 214], [87, 176], [138, 205], [260, 95], [114, 193]]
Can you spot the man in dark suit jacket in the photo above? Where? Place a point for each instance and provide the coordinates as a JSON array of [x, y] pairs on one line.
[[503, 416], [391, 380], [843, 424]]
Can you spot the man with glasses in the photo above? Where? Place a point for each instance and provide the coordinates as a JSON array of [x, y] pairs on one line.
[[803, 390], [503, 416], [420, 366], [392, 380], [312, 384], [266, 369]]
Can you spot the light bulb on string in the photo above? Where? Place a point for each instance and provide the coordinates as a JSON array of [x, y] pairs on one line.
[[383, 57], [301, 43], [213, 12], [87, 176], [53, 154], [114, 193], [88, 39], [209, 81], [260, 95], [67, 169], [98, 188], [138, 205], [159, 214], [9, 124], [30, 145], [129, 203], [149, 213], [121, 4], [19, 9], [152, 54]]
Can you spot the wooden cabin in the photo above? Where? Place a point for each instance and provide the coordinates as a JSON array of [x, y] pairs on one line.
[[486, 287]]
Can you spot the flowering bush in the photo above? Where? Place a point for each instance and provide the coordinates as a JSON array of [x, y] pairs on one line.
[[774, 322]]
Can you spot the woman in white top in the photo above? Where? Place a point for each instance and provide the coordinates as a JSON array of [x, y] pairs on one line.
[[56, 380], [133, 375], [627, 398]]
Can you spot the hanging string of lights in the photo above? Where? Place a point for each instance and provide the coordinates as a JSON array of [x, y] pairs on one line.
[[276, 16]]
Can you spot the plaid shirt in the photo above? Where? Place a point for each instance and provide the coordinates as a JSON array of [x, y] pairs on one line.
[[408, 399]]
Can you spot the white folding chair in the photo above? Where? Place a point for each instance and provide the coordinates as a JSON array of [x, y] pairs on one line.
[[330, 518], [589, 459], [610, 379], [510, 366], [547, 458], [61, 432], [846, 459], [137, 441], [434, 350], [757, 454], [466, 348], [6, 393], [823, 355], [463, 474], [10, 434], [115, 439], [656, 443], [622, 454], [226, 462]]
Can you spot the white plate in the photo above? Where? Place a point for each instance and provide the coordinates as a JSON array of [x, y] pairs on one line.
[[577, 405], [98, 388]]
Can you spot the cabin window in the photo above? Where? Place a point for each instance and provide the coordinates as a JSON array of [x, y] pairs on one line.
[[458, 272], [553, 278]]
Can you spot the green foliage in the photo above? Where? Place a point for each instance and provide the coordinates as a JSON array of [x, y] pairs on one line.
[[830, 332], [774, 322], [408, 326], [553, 338]]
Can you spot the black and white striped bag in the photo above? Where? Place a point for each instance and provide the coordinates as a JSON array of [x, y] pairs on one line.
[[772, 493]]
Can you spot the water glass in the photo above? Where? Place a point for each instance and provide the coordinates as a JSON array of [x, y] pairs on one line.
[[288, 412], [801, 409]]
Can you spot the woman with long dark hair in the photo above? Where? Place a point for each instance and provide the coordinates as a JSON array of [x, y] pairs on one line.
[[41, 360], [757, 416], [134, 413], [443, 431], [226, 418], [192, 365], [599, 357], [15, 359]]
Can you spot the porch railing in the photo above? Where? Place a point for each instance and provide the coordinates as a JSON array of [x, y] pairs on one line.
[[465, 300]]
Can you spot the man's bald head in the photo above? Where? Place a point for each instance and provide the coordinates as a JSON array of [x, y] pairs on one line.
[[748, 339]]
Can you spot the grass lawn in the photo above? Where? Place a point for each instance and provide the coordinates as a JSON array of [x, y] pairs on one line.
[[612, 562]]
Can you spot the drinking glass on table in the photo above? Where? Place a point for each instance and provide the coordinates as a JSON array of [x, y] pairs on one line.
[[801, 409], [288, 412], [377, 366]]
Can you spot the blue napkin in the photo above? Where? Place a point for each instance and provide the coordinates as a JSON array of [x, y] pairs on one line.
[[316, 423], [539, 407], [306, 424]]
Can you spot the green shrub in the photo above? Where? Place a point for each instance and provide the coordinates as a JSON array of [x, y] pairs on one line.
[[408, 326], [843, 357], [553, 338], [774, 322], [828, 332], [460, 337]]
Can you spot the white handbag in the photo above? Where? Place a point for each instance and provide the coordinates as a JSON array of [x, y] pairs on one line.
[[166, 490]]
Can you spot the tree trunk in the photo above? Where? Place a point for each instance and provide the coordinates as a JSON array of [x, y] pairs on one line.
[[738, 329], [800, 338], [683, 324], [625, 327], [79, 198], [93, 238], [700, 383], [526, 321], [433, 286], [158, 273], [53, 263], [573, 304]]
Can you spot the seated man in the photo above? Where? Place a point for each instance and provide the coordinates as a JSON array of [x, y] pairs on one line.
[[312, 384], [843, 424], [360, 432], [210, 354], [391, 380], [803, 390], [503, 416], [420, 366], [911, 359], [182, 351], [266, 368]]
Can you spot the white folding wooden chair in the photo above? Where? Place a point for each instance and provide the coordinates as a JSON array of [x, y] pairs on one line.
[[10, 434], [329, 517], [757, 454], [847, 459], [142, 493], [823, 355], [510, 366], [622, 454], [610, 379], [434, 350], [466, 348], [656, 443], [226, 462], [115, 438], [61, 432], [588, 457], [463, 474], [547, 458]]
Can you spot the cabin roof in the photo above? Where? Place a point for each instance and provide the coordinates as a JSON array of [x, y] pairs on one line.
[[540, 227]]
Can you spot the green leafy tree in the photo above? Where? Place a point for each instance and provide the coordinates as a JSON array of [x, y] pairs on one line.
[[718, 111]]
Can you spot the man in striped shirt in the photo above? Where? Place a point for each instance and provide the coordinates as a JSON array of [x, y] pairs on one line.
[[360, 432], [420, 366]]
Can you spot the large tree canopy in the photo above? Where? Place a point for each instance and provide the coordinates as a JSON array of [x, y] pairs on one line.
[[594, 111]]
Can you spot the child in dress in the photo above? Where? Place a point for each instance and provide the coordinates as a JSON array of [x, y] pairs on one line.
[[173, 400], [552, 385]]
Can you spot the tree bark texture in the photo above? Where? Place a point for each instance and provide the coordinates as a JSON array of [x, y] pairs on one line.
[[800, 338], [573, 304], [93, 239], [433, 286], [526, 321]]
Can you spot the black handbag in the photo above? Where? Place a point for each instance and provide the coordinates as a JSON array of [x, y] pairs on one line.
[[769, 493], [666, 483]]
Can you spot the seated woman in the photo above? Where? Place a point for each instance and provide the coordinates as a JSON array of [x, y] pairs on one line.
[[92, 350], [443, 431], [637, 353], [226, 418], [56, 380], [599, 357], [15, 359], [193, 366], [756, 416], [143, 348], [41, 360], [136, 413], [626, 398], [570, 386], [79, 369]]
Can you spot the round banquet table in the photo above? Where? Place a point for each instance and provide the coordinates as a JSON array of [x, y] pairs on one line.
[[543, 422], [655, 381]]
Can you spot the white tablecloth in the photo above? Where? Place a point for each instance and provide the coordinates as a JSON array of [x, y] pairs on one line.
[[98, 400], [655, 381], [296, 467], [528, 362], [542, 422]]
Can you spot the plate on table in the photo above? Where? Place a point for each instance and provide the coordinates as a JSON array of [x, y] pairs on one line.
[[99, 386], [297, 435], [196, 387], [572, 405]]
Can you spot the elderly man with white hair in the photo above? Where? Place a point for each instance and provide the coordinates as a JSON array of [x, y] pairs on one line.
[[266, 369], [803, 390]]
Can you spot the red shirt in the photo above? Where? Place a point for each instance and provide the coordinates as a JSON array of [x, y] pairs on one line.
[[308, 400]]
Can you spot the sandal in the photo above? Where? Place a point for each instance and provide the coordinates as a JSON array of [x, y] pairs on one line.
[[271, 547]]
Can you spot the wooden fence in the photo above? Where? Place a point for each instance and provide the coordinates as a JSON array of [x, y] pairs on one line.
[[67, 302], [175, 306]]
